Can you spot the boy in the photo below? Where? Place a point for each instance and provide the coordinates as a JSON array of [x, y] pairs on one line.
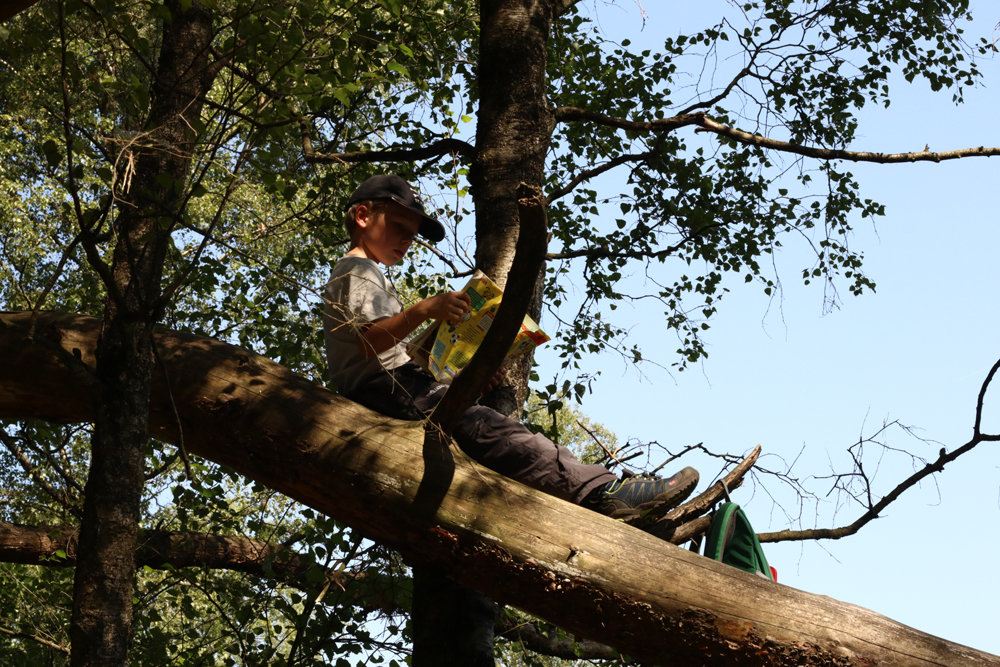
[[365, 325]]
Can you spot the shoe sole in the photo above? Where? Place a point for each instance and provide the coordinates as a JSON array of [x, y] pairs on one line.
[[647, 513]]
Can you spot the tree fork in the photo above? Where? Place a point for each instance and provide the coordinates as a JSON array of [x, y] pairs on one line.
[[588, 574]]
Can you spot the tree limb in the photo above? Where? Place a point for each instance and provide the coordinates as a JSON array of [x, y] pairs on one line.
[[587, 174], [528, 258], [596, 577], [56, 546], [573, 114], [679, 525], [439, 148], [875, 509], [706, 124], [548, 642], [709, 125], [39, 545]]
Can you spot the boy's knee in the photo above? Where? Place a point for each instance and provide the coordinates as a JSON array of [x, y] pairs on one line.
[[474, 425]]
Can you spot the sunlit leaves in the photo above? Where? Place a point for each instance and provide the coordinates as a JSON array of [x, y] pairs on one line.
[[255, 231], [696, 210]]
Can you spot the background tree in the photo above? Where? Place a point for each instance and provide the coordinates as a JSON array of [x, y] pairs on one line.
[[242, 225], [133, 81]]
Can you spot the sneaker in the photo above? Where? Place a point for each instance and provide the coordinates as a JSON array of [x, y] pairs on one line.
[[642, 498]]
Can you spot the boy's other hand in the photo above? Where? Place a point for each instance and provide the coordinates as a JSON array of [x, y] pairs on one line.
[[495, 380], [449, 306]]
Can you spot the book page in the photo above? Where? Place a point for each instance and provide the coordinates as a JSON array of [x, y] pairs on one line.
[[445, 348]]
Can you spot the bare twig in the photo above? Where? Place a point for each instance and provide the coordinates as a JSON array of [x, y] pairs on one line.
[[35, 638], [61, 497], [874, 510], [674, 526], [600, 444]]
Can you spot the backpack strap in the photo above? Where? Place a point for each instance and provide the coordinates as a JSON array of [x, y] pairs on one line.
[[732, 540]]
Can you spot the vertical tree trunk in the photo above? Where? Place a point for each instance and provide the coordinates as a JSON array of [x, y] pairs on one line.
[[514, 130], [513, 133], [100, 629], [455, 624]]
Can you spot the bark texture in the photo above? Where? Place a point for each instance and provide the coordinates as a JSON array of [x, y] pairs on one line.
[[100, 629], [513, 133], [593, 576], [40, 545], [160, 549]]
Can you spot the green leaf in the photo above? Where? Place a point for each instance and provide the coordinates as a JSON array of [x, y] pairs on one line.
[[394, 7], [396, 67], [342, 96], [52, 154]]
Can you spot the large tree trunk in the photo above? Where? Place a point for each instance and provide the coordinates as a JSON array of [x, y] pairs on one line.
[[591, 575], [513, 132], [100, 629]]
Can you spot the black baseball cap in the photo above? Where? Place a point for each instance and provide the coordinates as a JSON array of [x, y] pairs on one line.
[[395, 188]]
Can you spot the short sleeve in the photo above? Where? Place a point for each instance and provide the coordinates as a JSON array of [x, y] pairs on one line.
[[360, 296]]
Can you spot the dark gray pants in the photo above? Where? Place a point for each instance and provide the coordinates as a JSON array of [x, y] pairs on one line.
[[499, 443]]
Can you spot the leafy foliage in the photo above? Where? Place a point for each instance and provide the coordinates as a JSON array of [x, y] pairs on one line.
[[693, 212], [258, 226], [253, 240]]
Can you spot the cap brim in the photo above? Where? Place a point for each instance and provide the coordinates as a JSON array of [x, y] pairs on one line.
[[430, 229]]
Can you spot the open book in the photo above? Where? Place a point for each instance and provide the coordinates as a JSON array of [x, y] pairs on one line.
[[445, 349]]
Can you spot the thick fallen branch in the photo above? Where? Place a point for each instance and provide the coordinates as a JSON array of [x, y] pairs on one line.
[[55, 546], [595, 577]]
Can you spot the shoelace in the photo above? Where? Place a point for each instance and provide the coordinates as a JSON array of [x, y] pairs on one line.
[[640, 475]]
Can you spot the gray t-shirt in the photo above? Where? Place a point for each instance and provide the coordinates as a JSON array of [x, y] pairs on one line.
[[358, 294]]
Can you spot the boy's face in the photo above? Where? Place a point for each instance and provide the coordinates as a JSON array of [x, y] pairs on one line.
[[387, 235]]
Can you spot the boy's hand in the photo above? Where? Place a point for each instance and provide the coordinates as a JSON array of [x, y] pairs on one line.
[[449, 306], [495, 380]]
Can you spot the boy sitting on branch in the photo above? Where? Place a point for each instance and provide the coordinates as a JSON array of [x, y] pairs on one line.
[[366, 324]]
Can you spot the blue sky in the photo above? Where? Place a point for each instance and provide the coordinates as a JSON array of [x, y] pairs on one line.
[[803, 383], [806, 384]]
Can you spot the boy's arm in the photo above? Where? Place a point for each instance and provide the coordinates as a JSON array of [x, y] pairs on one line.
[[383, 334]]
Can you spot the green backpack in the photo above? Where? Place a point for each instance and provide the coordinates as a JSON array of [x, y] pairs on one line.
[[732, 540]]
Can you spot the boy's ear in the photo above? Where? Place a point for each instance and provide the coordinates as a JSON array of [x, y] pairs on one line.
[[361, 216]]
